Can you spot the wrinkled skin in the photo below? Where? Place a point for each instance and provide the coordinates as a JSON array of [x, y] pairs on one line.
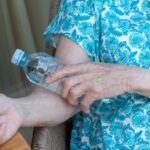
[[96, 81]]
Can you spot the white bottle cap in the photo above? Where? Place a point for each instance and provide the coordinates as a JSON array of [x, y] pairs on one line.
[[17, 57]]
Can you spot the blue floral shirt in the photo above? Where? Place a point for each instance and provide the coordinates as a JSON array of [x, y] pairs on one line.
[[117, 32]]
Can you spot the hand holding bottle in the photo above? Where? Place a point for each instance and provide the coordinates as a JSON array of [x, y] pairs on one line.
[[37, 66]]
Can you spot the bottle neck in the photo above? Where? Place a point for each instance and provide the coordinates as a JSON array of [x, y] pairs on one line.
[[24, 60]]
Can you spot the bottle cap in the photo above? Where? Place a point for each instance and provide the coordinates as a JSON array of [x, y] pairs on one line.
[[18, 57]]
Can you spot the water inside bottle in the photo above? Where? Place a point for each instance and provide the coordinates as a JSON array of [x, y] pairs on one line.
[[34, 73], [38, 69]]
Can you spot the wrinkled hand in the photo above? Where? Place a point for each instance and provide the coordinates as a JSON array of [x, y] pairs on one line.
[[10, 120], [95, 81]]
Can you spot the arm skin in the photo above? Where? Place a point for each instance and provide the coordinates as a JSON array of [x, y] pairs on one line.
[[44, 108], [41, 107], [100, 80], [142, 84]]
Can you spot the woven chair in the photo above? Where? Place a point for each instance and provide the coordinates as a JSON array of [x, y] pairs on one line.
[[52, 138]]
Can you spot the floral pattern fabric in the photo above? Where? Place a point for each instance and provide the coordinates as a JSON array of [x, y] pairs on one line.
[[117, 32]]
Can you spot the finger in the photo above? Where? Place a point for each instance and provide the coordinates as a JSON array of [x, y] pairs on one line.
[[69, 83], [67, 71], [86, 102], [105, 92], [75, 94]]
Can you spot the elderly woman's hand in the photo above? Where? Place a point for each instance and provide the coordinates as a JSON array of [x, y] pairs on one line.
[[96, 81]]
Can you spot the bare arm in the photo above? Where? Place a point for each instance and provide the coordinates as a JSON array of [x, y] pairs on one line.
[[41, 107]]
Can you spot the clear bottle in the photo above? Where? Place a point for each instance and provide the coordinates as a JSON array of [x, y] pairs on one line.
[[37, 67]]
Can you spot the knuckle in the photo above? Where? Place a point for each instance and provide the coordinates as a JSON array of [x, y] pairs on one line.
[[68, 68], [66, 83], [94, 94], [72, 93], [63, 71], [72, 102], [94, 91]]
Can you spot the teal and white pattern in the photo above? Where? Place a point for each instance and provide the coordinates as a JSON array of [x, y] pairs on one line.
[[118, 32]]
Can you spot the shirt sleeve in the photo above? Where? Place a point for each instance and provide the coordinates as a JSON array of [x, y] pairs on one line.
[[77, 21]]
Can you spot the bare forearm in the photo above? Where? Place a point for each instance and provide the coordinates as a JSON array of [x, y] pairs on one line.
[[41, 107], [44, 108]]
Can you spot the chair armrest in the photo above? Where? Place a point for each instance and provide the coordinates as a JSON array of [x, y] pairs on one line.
[[17, 142], [53, 138]]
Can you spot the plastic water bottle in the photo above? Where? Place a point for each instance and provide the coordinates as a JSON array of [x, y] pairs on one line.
[[37, 67]]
